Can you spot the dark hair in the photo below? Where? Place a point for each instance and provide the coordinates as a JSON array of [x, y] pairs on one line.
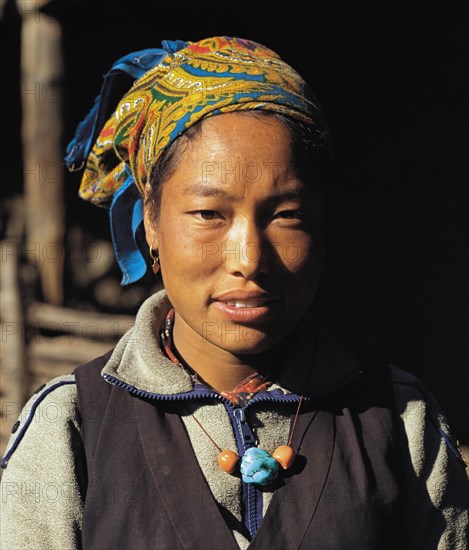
[[310, 148]]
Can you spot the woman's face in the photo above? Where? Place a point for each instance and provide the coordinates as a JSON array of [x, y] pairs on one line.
[[239, 235]]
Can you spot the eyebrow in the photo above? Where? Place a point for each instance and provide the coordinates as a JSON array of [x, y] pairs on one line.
[[200, 190]]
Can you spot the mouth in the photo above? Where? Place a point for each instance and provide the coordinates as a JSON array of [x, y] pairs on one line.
[[247, 303], [246, 309]]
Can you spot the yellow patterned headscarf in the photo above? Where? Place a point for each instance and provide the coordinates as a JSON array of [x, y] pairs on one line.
[[149, 98], [215, 75]]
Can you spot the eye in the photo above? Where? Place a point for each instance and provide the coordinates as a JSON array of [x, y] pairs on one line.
[[207, 214], [291, 215]]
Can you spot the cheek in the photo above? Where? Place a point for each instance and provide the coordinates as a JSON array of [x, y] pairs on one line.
[[304, 268], [183, 255], [300, 255]]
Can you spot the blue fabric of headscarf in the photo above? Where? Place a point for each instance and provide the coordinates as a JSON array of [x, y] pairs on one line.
[[127, 204]]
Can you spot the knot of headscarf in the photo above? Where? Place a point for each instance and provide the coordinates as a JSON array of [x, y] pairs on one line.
[[150, 98]]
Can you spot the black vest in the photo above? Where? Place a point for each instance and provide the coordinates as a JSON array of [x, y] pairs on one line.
[[145, 490]]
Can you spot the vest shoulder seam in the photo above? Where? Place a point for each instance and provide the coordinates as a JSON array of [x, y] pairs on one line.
[[43, 392]]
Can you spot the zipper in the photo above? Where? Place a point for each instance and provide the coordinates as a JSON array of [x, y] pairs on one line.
[[248, 437], [199, 393], [252, 496], [194, 394], [245, 439]]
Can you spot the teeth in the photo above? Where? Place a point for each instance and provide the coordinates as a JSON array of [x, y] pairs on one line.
[[244, 303]]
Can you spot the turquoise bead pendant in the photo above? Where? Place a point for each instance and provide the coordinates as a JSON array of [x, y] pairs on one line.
[[258, 467]]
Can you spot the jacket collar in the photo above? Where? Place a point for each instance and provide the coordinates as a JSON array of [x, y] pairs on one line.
[[315, 364]]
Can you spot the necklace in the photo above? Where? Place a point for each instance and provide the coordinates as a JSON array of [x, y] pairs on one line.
[[257, 466]]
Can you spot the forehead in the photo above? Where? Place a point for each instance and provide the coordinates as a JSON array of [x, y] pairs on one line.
[[236, 156], [237, 146], [242, 135]]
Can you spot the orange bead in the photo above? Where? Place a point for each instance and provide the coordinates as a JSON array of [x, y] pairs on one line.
[[285, 456], [228, 460]]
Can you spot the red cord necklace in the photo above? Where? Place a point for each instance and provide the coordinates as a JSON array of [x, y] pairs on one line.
[[257, 466]]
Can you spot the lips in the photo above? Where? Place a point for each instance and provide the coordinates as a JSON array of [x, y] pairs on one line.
[[247, 306]]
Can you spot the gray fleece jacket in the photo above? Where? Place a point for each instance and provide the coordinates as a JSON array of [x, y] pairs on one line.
[[41, 502]]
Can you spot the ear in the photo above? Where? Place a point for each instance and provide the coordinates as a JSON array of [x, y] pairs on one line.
[[151, 230]]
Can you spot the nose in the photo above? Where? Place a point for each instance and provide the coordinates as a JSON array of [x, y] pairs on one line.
[[246, 250]]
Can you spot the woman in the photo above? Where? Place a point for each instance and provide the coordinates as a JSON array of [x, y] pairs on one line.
[[224, 418]]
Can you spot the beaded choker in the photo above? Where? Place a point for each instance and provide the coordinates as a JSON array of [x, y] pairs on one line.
[[256, 466]]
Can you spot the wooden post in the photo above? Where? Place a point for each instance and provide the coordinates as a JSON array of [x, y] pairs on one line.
[[41, 73], [12, 330], [3, 3]]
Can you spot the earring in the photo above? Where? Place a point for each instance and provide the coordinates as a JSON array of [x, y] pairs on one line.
[[155, 266]]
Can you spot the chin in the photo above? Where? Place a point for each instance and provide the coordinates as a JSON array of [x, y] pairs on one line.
[[247, 341]]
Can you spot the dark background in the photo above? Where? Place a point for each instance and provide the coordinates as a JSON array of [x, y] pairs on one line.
[[393, 83]]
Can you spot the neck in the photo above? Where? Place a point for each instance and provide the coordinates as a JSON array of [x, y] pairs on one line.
[[217, 367]]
